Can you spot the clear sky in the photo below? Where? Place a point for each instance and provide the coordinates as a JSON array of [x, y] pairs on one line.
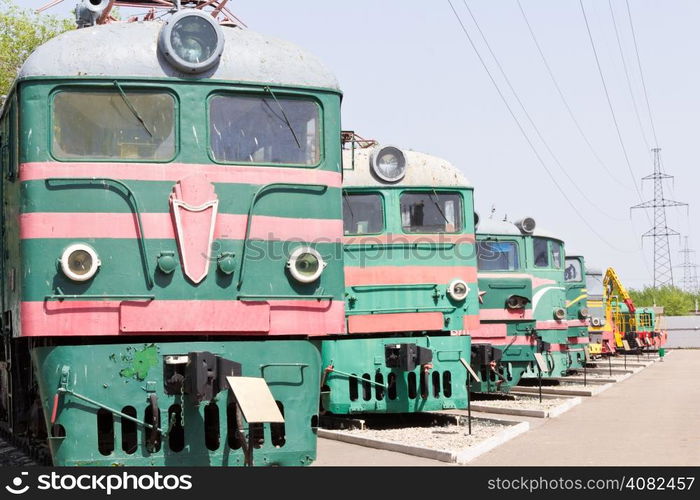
[[410, 78]]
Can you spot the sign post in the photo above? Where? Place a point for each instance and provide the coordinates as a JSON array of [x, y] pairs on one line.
[[470, 374], [541, 366]]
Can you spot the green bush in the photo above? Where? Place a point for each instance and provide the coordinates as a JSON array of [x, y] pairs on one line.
[[675, 301]]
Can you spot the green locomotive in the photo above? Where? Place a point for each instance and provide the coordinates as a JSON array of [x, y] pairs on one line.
[[578, 315], [410, 284], [171, 225], [505, 344]]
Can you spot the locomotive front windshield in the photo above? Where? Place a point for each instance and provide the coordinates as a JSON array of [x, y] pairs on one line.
[[497, 256], [431, 212], [362, 214], [245, 129], [114, 125], [572, 271]]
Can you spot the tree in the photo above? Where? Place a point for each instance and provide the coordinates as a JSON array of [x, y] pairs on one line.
[[21, 31], [675, 301]]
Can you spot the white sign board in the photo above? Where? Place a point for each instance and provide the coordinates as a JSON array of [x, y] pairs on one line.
[[541, 363], [255, 400]]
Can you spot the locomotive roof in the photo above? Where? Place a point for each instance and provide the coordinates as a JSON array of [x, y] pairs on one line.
[[508, 228], [421, 170], [131, 50], [493, 226]]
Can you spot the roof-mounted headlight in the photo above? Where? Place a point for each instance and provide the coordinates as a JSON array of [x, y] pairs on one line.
[[192, 41], [388, 163], [526, 225]]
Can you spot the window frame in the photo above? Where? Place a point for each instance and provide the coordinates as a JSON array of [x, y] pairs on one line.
[[491, 240], [580, 270], [547, 253], [110, 88], [281, 94], [382, 202], [562, 257], [457, 192]]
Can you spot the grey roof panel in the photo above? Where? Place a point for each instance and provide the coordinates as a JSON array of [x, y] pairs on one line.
[[110, 51], [421, 170], [495, 226]]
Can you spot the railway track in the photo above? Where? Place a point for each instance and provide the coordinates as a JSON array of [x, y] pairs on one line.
[[20, 453]]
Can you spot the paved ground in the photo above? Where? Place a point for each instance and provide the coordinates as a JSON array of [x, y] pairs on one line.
[[648, 419]]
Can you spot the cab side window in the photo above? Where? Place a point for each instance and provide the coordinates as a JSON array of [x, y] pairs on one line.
[[362, 214], [541, 252]]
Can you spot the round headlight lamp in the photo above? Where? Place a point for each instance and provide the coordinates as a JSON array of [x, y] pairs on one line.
[[388, 163], [192, 41], [584, 313], [79, 262], [458, 289], [306, 264], [559, 313]]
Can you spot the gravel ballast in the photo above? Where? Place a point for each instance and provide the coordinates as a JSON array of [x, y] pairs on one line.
[[523, 402], [448, 438]]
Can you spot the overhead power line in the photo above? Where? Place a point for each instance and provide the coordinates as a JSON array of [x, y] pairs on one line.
[[565, 101], [627, 76], [522, 131], [641, 74], [576, 185], [610, 106]]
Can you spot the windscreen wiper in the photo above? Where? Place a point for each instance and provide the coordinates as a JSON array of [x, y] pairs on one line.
[[437, 205], [286, 120], [132, 108], [347, 201]]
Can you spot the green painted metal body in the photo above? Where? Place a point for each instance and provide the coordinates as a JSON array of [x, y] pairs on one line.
[[576, 301], [391, 301], [421, 250], [120, 372], [511, 332], [123, 270], [126, 374], [549, 293], [357, 362]]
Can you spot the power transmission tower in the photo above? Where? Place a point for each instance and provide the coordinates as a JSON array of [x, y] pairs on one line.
[[689, 282], [663, 271]]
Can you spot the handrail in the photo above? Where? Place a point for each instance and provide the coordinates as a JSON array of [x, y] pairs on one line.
[[330, 369], [123, 298], [104, 182], [417, 286], [405, 309], [257, 298], [292, 186], [63, 390]]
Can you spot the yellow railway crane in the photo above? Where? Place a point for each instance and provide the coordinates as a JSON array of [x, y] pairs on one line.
[[613, 291]]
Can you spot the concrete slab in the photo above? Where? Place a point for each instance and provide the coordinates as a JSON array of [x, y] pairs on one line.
[[656, 413], [593, 390], [613, 371], [530, 412], [578, 379]]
